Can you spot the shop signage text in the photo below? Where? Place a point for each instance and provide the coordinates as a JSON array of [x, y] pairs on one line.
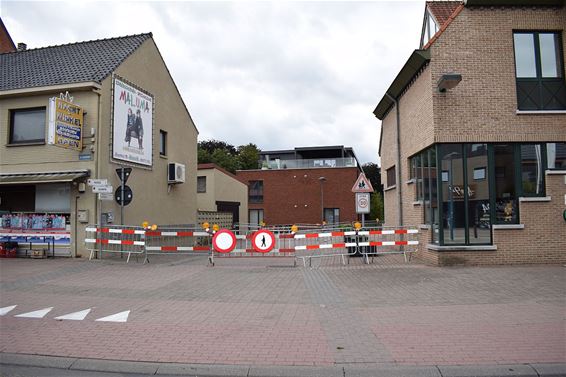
[[65, 124]]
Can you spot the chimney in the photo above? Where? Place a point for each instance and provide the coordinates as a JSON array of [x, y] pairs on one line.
[[22, 46]]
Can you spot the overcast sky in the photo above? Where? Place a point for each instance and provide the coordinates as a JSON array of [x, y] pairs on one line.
[[277, 74]]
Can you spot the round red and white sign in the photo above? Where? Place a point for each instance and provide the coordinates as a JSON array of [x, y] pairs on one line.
[[224, 241], [263, 241]]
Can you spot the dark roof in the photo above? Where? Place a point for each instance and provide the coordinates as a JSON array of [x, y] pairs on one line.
[[515, 2], [66, 64], [417, 60], [442, 10]]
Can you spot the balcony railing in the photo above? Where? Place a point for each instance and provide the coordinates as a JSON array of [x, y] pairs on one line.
[[309, 163]]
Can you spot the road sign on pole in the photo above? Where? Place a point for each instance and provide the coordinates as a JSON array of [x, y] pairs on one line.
[[97, 182], [362, 184], [363, 202], [102, 189], [263, 241], [124, 174], [224, 241], [124, 196]]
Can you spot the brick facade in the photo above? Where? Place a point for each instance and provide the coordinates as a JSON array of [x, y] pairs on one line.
[[293, 195], [478, 44]]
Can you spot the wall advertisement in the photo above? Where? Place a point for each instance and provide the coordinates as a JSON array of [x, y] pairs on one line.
[[65, 124], [132, 120]]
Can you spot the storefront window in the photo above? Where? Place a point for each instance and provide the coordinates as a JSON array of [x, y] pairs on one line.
[[433, 202], [479, 219], [531, 170], [453, 205], [506, 205], [556, 156]]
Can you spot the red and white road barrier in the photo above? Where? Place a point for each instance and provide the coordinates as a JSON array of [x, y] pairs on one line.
[[124, 240]]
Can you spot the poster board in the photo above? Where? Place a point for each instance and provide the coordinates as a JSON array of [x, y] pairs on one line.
[[132, 123]]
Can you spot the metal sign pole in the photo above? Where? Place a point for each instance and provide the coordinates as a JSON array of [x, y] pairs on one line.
[[122, 196], [99, 230]]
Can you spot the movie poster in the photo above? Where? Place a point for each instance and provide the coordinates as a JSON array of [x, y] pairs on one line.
[[132, 120]]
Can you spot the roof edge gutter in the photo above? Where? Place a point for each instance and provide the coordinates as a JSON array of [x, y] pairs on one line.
[[87, 85]]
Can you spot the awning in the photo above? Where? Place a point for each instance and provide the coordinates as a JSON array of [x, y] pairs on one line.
[[43, 177]]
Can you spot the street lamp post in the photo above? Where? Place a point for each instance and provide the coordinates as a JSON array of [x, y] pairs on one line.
[[322, 180]]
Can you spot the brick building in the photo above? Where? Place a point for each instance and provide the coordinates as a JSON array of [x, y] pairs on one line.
[[473, 137], [303, 186]]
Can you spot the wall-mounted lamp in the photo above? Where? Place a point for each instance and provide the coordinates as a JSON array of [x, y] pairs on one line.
[[448, 81]]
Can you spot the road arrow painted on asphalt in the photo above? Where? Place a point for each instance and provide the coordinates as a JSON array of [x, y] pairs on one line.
[[36, 314], [76, 316], [118, 317], [7, 309]]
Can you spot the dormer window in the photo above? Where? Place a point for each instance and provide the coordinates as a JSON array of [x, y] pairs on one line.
[[430, 27]]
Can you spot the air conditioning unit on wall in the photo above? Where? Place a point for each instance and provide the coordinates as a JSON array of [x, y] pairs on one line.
[[175, 173]]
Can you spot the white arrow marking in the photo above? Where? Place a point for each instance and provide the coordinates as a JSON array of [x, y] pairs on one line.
[[76, 316], [118, 317], [7, 309], [37, 314]]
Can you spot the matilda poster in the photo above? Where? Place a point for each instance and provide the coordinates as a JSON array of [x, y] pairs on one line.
[[132, 121]]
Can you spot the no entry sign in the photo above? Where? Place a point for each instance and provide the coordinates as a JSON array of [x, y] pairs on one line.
[[224, 241], [263, 241]]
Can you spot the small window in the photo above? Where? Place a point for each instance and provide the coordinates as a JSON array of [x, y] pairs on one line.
[[332, 215], [27, 126], [162, 143], [201, 184], [391, 177], [538, 71], [256, 192], [556, 156], [532, 182], [256, 216]]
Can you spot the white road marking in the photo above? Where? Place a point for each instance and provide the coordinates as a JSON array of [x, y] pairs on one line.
[[118, 317], [36, 314], [7, 309], [76, 316]]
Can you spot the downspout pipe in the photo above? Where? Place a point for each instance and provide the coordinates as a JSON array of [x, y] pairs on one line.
[[398, 164]]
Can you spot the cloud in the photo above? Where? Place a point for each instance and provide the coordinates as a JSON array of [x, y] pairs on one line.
[[279, 75]]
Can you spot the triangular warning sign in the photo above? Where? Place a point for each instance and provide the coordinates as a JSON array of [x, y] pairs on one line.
[[362, 184]]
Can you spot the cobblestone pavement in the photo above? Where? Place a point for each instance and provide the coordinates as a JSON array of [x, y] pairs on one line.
[[266, 312]]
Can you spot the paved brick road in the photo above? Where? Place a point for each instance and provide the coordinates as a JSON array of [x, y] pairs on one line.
[[262, 312]]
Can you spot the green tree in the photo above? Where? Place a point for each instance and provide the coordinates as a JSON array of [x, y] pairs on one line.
[[203, 156], [224, 159], [376, 206], [211, 145], [373, 174], [248, 156]]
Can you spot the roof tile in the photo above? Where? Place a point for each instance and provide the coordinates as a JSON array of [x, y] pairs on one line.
[[65, 64]]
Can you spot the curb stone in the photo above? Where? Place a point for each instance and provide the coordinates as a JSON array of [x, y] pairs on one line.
[[204, 370]]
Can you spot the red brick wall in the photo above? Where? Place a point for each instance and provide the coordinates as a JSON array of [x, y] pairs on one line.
[[293, 195]]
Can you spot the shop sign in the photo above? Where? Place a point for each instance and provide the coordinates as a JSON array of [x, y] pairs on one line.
[[132, 124], [65, 123]]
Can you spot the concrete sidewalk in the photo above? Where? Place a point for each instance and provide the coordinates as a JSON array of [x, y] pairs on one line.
[[253, 314], [377, 370]]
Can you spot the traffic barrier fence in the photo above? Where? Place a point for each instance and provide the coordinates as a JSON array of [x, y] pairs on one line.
[[305, 245]]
